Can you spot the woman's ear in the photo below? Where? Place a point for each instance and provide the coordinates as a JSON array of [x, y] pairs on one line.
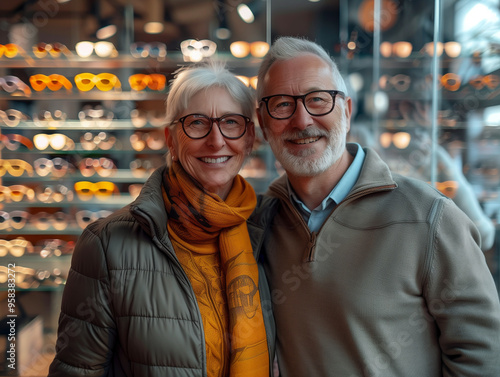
[[169, 140]]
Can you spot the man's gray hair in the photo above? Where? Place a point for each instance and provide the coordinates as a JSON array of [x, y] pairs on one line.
[[286, 48]]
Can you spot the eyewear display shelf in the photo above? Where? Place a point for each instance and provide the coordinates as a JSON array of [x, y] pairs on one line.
[[399, 121]]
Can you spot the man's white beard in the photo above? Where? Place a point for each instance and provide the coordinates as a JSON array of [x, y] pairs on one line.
[[301, 164]]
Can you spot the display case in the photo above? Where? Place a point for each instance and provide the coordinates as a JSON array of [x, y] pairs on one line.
[[429, 102]]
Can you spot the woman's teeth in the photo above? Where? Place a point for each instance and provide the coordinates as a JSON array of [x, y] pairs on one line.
[[209, 160]]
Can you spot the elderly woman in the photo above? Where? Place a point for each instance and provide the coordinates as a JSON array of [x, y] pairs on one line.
[[168, 286]]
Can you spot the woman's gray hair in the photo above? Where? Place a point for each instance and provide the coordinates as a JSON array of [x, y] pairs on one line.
[[286, 48], [191, 80]]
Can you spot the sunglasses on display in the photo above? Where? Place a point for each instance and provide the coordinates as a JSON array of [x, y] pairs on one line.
[[195, 50], [58, 142], [16, 193], [86, 217], [154, 140], [13, 220], [102, 190], [241, 49], [44, 220], [12, 84], [103, 49], [96, 117], [399, 82], [103, 166], [141, 168], [153, 81], [401, 49], [53, 82], [400, 140], [135, 189], [55, 50], [9, 50], [14, 141], [481, 81], [145, 50], [53, 193], [12, 117], [102, 81], [55, 247], [48, 119], [248, 81], [16, 247], [140, 118], [448, 188], [58, 167], [15, 167], [102, 140]]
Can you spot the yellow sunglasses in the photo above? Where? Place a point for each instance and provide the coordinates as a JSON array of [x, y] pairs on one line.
[[15, 167], [102, 190], [103, 81]]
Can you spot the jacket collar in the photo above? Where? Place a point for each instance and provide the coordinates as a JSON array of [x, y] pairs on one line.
[[149, 207], [375, 175]]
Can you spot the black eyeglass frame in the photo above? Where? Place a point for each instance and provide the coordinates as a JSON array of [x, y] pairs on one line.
[[333, 93], [216, 121]]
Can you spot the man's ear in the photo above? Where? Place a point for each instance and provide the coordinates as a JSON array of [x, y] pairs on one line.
[[258, 111], [348, 112]]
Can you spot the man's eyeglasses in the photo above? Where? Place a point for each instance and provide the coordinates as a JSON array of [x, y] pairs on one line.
[[198, 126], [317, 102]]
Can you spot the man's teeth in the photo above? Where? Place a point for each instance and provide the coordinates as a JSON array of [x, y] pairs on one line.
[[214, 160], [306, 141]]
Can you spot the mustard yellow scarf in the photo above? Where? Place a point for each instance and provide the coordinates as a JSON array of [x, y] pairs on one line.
[[204, 223]]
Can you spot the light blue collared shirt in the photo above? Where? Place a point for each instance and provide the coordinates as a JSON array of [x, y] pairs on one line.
[[318, 215]]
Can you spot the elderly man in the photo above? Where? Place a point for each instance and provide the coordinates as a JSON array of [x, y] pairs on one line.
[[371, 273]]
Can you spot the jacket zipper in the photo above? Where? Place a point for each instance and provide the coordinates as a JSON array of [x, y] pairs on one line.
[[177, 264], [311, 245]]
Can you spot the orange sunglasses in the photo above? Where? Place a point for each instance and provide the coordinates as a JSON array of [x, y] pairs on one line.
[[154, 81], [103, 81], [53, 82]]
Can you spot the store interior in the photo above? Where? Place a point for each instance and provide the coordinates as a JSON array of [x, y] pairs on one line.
[[82, 91]]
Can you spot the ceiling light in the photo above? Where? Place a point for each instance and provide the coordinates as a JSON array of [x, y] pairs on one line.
[[107, 30]]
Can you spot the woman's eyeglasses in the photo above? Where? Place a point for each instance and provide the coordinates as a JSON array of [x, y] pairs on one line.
[[198, 126], [317, 103]]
